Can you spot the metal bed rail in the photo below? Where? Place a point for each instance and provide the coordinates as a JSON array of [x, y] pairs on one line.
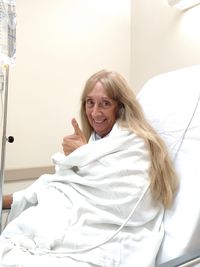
[[189, 259]]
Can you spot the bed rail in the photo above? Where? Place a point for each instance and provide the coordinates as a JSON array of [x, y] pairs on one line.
[[186, 260]]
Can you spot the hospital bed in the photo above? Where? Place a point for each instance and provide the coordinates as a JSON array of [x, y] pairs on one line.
[[171, 104], [186, 260]]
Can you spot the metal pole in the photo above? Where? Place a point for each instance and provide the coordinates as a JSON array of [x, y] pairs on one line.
[[4, 139]]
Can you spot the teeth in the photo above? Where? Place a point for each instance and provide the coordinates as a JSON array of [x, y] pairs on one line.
[[98, 121]]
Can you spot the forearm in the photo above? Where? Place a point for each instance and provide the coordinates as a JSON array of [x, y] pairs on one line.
[[7, 201]]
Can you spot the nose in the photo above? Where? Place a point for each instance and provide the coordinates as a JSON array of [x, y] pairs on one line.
[[96, 110]]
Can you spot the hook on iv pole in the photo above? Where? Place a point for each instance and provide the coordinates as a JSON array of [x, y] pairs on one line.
[[10, 139]]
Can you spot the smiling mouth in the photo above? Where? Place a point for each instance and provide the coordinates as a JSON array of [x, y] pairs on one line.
[[99, 122]]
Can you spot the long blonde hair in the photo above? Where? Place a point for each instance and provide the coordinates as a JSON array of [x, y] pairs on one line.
[[162, 174]]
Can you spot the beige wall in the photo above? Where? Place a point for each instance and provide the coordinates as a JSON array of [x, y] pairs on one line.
[[59, 45], [163, 39]]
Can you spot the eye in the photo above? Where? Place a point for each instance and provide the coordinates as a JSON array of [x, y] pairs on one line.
[[89, 103], [106, 103]]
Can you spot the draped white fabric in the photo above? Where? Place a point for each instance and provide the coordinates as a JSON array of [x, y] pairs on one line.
[[171, 104], [96, 210]]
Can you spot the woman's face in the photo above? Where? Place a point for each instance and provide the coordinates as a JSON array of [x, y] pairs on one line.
[[100, 110]]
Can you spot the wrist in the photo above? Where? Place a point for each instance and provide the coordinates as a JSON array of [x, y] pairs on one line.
[[7, 201]]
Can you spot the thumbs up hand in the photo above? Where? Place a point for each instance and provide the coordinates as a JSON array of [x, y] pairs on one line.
[[75, 140]]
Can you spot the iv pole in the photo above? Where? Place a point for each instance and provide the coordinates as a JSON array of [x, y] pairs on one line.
[[7, 49], [4, 139]]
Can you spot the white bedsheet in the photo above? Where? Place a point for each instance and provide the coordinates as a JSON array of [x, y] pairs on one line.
[[66, 218], [171, 103]]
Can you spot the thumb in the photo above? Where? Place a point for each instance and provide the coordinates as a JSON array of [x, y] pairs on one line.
[[76, 127]]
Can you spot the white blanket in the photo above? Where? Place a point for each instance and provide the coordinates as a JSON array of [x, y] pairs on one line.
[[96, 210]]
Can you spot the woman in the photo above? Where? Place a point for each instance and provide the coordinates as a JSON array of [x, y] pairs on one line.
[[104, 205], [122, 106]]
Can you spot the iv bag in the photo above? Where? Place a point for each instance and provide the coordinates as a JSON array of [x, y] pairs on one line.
[[7, 31]]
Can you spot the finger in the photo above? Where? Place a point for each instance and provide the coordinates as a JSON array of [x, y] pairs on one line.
[[76, 127]]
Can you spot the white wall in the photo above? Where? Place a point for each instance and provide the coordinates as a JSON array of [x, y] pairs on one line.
[[163, 39], [59, 45]]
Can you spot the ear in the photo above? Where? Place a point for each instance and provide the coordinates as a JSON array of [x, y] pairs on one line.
[[121, 110]]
